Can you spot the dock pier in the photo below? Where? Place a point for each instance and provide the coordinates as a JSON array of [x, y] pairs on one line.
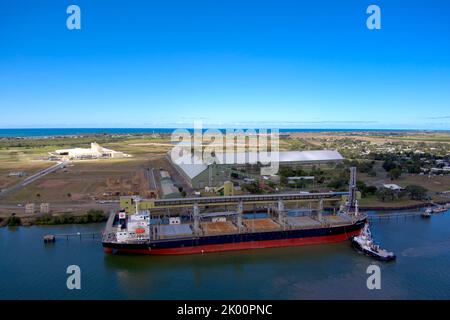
[[49, 238], [397, 215]]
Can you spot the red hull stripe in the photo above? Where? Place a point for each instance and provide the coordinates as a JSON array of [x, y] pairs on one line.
[[241, 245]]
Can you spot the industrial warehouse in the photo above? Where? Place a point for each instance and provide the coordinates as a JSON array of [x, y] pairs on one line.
[[217, 171], [94, 152]]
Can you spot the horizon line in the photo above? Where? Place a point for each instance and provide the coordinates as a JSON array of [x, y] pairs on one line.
[[219, 128]]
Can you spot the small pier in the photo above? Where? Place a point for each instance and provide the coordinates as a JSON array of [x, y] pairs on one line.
[[396, 215], [50, 238]]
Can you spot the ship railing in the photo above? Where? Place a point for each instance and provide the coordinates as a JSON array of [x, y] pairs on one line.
[[109, 237], [138, 238]]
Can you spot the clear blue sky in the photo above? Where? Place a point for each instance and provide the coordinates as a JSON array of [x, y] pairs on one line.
[[165, 63]]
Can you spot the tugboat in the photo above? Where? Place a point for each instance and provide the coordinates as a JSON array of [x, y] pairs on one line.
[[427, 213], [364, 244], [439, 209]]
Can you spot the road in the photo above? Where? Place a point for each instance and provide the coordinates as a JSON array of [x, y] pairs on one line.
[[5, 209], [33, 177]]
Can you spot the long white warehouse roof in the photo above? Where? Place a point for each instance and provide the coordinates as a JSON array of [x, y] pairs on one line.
[[284, 156], [194, 169]]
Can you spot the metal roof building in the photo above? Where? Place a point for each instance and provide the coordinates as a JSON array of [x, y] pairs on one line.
[[218, 170], [192, 170], [284, 157], [169, 190]]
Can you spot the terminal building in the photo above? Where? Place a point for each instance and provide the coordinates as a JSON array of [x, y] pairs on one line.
[[214, 173]]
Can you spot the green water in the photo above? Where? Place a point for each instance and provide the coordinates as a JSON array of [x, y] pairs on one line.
[[29, 269]]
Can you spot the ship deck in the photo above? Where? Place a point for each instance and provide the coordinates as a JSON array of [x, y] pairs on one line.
[[302, 222], [264, 224], [221, 227], [173, 231], [336, 220]]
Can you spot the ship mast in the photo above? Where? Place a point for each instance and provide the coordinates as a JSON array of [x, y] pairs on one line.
[[136, 200]]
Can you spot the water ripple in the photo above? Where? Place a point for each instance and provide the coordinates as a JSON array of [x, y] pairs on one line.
[[428, 250]]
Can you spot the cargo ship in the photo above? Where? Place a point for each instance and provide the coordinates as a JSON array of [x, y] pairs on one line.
[[143, 231]]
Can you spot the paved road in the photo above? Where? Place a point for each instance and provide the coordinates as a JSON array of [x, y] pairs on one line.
[[33, 178]]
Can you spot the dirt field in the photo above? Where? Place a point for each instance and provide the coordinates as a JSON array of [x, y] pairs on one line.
[[16, 161], [81, 180], [375, 138], [434, 183]]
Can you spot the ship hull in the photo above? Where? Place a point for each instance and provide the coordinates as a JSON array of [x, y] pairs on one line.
[[243, 241]]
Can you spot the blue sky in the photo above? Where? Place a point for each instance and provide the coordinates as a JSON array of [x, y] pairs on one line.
[[166, 63]]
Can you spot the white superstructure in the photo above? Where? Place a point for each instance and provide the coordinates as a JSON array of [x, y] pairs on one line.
[[134, 227]]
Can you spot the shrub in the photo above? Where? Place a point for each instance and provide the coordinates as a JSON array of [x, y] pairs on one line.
[[416, 192], [13, 221], [372, 173], [388, 165], [91, 216], [395, 173], [385, 194]]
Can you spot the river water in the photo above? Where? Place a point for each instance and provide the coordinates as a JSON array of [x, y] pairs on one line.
[[30, 269]]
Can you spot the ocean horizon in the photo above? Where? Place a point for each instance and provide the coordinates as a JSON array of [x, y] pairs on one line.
[[54, 132]]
